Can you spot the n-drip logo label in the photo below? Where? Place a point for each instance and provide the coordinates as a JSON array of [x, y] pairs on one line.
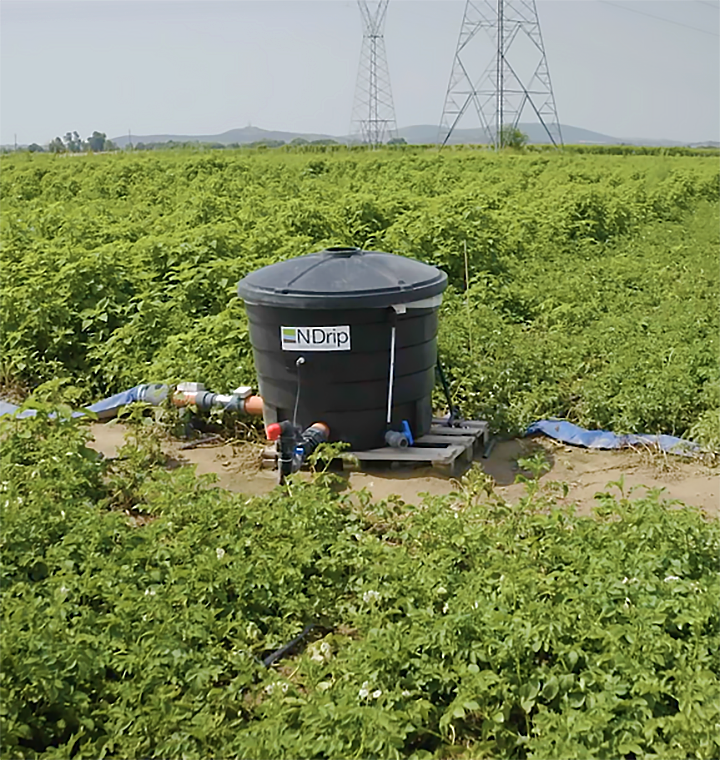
[[336, 338]]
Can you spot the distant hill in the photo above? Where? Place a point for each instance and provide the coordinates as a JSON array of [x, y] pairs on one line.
[[420, 134], [536, 135], [242, 136]]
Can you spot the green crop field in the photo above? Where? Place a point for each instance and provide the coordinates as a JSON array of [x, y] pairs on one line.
[[138, 603], [592, 287]]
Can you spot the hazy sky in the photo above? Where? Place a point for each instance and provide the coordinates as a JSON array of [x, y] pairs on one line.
[[206, 66]]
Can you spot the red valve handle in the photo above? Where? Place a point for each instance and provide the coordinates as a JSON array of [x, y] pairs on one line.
[[273, 431]]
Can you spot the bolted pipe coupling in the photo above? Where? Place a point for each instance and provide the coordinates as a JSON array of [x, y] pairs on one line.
[[153, 393], [240, 400]]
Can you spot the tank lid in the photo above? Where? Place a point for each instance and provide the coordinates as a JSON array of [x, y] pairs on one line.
[[342, 278]]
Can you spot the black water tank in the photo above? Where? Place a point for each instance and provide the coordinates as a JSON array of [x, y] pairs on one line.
[[321, 328]]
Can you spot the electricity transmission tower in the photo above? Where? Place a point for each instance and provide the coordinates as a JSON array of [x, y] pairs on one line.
[[499, 95], [373, 116]]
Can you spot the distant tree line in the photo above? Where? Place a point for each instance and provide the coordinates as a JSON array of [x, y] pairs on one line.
[[511, 138], [73, 143], [177, 145], [98, 143]]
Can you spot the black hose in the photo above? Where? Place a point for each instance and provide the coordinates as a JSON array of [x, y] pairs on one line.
[[454, 415], [287, 648]]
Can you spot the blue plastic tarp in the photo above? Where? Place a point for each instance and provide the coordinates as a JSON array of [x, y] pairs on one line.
[[7, 408], [564, 431]]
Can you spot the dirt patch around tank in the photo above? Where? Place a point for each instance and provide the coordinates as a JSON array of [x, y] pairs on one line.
[[237, 467]]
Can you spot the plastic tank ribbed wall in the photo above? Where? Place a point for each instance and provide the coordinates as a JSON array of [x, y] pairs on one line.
[[336, 310]]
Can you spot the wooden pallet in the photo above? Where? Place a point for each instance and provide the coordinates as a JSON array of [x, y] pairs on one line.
[[447, 449], [450, 450]]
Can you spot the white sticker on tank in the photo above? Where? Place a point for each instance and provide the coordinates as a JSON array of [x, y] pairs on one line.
[[335, 338]]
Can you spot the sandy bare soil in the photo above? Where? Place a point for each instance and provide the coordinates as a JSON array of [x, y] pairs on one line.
[[586, 473]]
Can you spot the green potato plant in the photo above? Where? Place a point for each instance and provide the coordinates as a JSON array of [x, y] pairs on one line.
[[463, 626]]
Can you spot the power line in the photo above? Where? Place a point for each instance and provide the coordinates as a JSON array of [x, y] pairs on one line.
[[712, 5], [660, 18]]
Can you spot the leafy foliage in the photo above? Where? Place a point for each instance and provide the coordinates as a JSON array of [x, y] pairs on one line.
[[464, 627], [592, 287], [139, 603], [512, 137], [591, 278]]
